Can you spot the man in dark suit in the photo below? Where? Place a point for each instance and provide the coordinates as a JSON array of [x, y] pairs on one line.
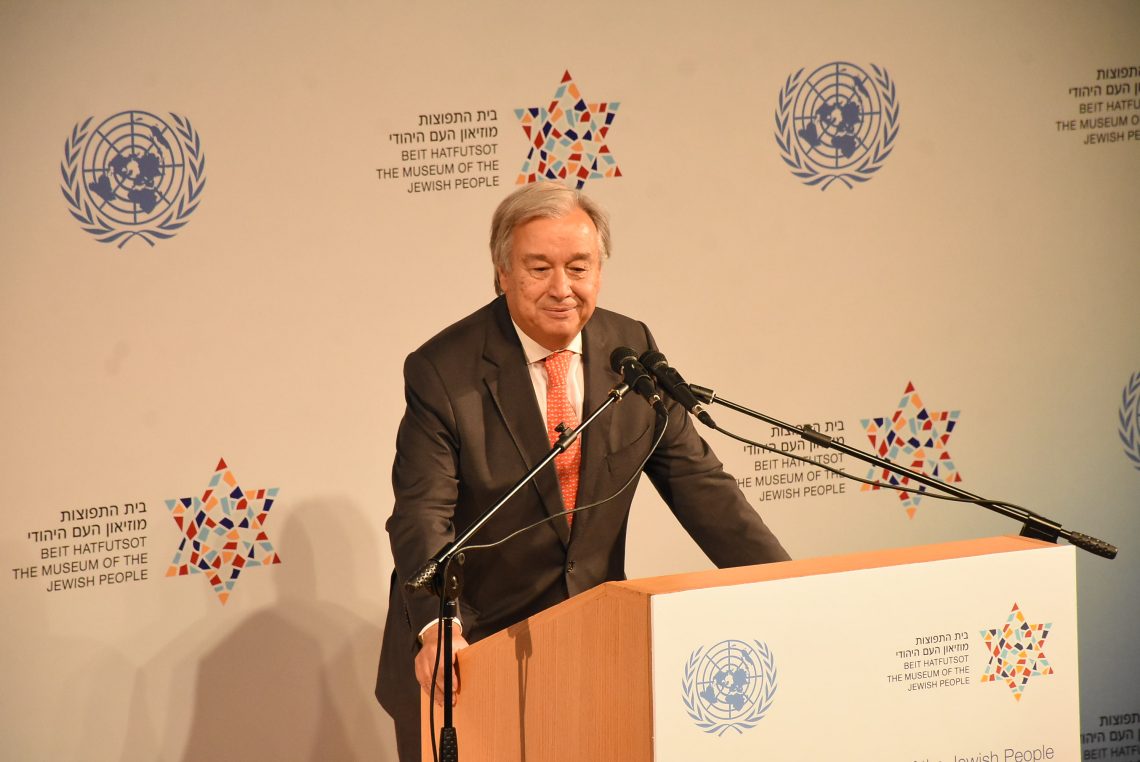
[[481, 400]]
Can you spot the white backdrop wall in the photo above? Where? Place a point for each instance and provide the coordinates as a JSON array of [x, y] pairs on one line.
[[991, 260]]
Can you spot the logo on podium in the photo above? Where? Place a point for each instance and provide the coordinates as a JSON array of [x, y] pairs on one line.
[[729, 686], [1017, 652]]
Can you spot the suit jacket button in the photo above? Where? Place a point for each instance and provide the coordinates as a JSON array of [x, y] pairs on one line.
[[570, 568]]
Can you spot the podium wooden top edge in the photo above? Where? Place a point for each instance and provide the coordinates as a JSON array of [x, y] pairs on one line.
[[676, 583]]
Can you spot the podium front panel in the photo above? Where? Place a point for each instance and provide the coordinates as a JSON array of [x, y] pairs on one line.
[[963, 659]]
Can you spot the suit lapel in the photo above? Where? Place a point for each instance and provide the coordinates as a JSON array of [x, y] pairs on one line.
[[508, 382]]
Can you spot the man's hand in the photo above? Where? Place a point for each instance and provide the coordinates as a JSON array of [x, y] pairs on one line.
[[425, 662]]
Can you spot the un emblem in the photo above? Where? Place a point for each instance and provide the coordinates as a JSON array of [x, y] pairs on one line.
[[1130, 419], [729, 686], [133, 175], [837, 123]]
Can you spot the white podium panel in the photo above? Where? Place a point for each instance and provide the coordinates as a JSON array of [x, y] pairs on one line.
[[963, 660]]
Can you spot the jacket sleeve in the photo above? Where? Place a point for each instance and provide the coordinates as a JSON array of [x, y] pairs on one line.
[[425, 481], [705, 498]]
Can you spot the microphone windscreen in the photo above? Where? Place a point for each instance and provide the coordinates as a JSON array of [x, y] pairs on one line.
[[653, 360], [620, 357]]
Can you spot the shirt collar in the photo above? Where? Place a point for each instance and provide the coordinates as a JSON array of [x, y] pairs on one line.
[[535, 352]]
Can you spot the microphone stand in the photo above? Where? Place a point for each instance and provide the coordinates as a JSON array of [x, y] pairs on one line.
[[1033, 525], [431, 576]]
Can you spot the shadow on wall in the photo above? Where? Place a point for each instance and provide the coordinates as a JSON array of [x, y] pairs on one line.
[[294, 680], [73, 706]]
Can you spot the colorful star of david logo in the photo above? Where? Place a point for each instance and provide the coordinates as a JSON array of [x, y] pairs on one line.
[[916, 438], [223, 532], [1017, 652], [567, 138]]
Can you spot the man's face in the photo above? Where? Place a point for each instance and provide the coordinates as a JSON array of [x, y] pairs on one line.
[[556, 271]]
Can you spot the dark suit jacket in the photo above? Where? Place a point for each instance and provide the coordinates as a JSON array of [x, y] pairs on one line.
[[472, 429]]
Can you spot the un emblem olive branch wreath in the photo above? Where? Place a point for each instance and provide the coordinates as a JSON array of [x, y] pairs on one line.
[[803, 169], [695, 708], [1130, 419], [69, 168], [99, 225]]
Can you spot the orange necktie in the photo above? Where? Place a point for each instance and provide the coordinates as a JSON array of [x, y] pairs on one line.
[[559, 410]]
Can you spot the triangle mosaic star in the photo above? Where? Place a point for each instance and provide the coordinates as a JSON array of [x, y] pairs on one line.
[[223, 532], [916, 438], [1017, 652], [567, 138]]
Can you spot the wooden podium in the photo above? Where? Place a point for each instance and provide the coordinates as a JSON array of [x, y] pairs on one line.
[[935, 652]]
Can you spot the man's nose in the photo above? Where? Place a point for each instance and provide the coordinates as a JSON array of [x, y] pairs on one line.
[[560, 284]]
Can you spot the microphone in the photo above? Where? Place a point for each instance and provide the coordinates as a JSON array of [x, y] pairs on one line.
[[624, 360], [676, 386]]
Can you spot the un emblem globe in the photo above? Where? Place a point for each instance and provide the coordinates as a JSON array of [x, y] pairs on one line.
[[729, 680], [133, 167], [836, 115]]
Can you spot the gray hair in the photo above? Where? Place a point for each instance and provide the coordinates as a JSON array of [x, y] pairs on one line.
[[541, 200]]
